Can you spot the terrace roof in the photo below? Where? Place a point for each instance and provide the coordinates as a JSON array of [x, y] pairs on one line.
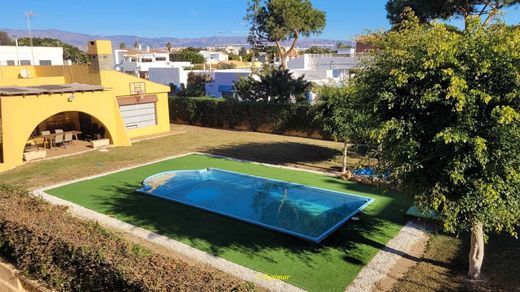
[[48, 89]]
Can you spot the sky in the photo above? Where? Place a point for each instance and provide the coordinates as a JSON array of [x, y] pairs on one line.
[[186, 18]]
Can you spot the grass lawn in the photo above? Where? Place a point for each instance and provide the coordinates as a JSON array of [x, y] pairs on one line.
[[255, 146], [329, 266]]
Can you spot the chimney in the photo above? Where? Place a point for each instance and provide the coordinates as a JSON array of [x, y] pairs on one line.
[[100, 54], [147, 48]]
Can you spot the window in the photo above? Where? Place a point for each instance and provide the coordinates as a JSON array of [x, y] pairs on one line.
[[146, 60], [10, 63], [160, 59], [25, 62], [45, 62], [138, 115]]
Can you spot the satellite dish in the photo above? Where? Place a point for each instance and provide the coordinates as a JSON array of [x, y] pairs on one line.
[[24, 73]]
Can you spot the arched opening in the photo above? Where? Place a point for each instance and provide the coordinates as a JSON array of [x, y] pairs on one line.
[[65, 133]]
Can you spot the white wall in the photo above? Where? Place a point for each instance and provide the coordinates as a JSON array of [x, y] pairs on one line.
[[224, 78], [10, 53], [169, 75]]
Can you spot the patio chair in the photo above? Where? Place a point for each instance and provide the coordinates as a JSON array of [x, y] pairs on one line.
[[57, 131], [58, 139], [67, 139], [46, 140]]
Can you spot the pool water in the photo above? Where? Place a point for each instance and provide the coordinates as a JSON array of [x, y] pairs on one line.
[[306, 212]]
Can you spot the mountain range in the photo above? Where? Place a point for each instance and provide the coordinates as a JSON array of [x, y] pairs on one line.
[[80, 40]]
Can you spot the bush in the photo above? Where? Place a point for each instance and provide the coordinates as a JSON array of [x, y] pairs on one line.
[[69, 254], [222, 113]]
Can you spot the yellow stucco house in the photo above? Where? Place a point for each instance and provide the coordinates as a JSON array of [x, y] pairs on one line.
[[37, 99]]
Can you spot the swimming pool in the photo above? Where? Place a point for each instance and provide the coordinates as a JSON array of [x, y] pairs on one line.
[[306, 212]]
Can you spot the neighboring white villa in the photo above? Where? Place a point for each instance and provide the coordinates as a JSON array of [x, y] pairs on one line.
[[323, 68], [139, 62], [214, 57], [21, 55]]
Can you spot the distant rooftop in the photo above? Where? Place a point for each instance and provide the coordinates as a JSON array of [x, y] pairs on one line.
[[48, 89], [143, 51]]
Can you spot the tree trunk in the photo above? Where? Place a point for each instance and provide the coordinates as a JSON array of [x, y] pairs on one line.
[[345, 150], [476, 254], [283, 60], [281, 55]]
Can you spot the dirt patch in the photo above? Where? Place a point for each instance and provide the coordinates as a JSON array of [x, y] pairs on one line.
[[403, 265]]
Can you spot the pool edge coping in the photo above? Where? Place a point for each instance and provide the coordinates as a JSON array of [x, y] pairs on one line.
[[314, 239]]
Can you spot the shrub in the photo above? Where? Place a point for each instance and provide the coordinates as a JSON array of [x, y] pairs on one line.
[[221, 113], [69, 254]]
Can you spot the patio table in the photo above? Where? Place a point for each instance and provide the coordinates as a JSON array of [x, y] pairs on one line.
[[51, 136]]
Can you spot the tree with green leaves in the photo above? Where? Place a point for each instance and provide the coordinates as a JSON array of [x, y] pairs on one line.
[[188, 55], [272, 85], [342, 45], [274, 21], [341, 116], [70, 52], [5, 40], [447, 106], [168, 46], [196, 84], [428, 10], [122, 46], [318, 50]]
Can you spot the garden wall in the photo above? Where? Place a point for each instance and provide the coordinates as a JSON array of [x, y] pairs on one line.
[[69, 254], [288, 119]]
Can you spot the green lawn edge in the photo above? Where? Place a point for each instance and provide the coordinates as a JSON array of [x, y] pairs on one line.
[[330, 266]]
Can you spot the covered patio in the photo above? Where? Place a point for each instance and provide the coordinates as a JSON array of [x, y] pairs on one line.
[[65, 133]]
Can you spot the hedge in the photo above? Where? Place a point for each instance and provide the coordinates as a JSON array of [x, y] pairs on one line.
[[68, 254], [254, 116]]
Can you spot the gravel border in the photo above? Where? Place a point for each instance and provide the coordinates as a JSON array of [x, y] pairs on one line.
[[378, 268]]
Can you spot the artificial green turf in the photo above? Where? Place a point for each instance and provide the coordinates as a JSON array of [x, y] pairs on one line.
[[329, 266]]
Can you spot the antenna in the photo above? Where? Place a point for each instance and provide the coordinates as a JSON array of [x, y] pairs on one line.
[[28, 15]]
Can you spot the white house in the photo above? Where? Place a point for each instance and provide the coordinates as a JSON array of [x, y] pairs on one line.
[[223, 83], [214, 57], [21, 55], [348, 51], [323, 68], [138, 61]]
